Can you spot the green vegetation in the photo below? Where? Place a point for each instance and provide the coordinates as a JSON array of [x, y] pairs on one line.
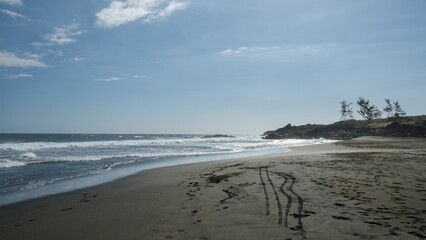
[[398, 112], [370, 112], [389, 108], [346, 111], [366, 111]]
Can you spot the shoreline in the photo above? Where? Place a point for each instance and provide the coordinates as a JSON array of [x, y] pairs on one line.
[[310, 192], [98, 161], [78, 183]]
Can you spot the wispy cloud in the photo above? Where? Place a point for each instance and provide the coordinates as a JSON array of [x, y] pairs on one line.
[[163, 13], [8, 59], [58, 53], [240, 50], [41, 44], [109, 79], [120, 77], [12, 2], [78, 59], [20, 75], [283, 50], [63, 35], [14, 14], [226, 52], [134, 76], [125, 11]]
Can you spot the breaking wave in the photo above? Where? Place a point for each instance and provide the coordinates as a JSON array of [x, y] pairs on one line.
[[6, 163], [32, 161]]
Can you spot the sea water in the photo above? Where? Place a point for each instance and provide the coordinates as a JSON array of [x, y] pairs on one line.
[[35, 165]]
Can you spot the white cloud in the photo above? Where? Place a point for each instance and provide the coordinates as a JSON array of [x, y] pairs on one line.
[[41, 44], [173, 6], [109, 79], [8, 59], [12, 2], [62, 35], [58, 53], [14, 14], [239, 50], [20, 75], [227, 52], [32, 55], [125, 11], [78, 59], [280, 51]]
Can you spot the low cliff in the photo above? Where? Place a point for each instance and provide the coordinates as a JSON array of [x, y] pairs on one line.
[[413, 126]]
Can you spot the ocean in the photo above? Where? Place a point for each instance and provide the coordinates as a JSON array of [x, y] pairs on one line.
[[35, 165]]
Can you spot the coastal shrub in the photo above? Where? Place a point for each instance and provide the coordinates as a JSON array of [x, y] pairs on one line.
[[398, 112], [346, 110], [389, 108], [366, 111]]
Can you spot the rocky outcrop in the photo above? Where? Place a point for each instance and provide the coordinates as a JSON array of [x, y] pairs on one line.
[[218, 136], [414, 126]]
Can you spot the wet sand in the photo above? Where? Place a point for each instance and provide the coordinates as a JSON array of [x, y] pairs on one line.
[[368, 188]]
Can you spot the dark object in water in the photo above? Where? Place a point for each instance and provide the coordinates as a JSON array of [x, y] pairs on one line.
[[218, 136]]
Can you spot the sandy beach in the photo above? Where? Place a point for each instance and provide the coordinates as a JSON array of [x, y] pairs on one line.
[[367, 188]]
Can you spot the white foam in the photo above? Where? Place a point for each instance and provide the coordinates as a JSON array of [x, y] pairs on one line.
[[152, 148], [260, 144], [31, 146], [40, 183], [89, 158], [34, 184], [110, 166], [27, 155], [6, 163]]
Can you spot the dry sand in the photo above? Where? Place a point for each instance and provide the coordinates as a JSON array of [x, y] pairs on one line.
[[369, 188]]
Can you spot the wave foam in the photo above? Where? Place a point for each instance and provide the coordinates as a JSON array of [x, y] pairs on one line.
[[27, 155], [151, 148], [90, 158], [6, 163], [31, 146], [110, 166]]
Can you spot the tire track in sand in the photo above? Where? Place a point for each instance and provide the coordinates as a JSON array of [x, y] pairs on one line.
[[267, 207], [299, 214], [280, 211], [288, 196]]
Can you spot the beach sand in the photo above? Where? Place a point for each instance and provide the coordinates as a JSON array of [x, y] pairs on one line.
[[368, 188]]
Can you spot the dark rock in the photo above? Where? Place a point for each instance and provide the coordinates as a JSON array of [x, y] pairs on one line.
[[414, 126], [218, 136]]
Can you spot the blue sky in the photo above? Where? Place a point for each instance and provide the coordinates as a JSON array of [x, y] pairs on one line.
[[204, 66]]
